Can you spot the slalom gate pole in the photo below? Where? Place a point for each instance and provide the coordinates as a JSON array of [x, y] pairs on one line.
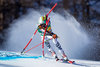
[[46, 28], [36, 45], [36, 31], [51, 9], [44, 36], [29, 41]]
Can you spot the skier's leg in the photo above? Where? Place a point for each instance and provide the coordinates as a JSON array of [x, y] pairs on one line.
[[50, 49], [60, 49]]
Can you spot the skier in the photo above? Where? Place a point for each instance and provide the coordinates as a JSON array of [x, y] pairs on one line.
[[49, 34]]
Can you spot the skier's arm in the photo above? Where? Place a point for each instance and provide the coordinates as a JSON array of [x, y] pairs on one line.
[[52, 34], [39, 31], [41, 28]]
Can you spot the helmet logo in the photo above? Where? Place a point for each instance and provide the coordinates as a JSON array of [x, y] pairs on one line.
[[44, 18]]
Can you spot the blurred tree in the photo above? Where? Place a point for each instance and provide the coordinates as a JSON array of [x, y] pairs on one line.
[[66, 4], [84, 10], [1, 15]]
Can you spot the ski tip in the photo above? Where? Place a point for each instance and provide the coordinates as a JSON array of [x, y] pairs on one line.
[[71, 62], [65, 61]]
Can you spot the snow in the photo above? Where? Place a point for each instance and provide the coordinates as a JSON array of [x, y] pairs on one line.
[[42, 62], [45, 63]]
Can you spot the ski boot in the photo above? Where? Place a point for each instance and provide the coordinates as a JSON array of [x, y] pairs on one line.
[[65, 59], [55, 56], [57, 59]]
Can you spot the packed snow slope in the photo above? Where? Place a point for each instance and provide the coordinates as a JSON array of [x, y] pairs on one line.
[[45, 63], [33, 61]]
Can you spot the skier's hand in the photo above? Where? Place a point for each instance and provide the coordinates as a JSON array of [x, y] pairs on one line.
[[54, 36], [42, 26]]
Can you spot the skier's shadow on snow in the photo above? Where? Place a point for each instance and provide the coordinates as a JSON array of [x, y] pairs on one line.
[[79, 64], [86, 65], [6, 65]]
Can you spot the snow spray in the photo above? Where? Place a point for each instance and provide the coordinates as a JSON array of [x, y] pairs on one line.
[[73, 38]]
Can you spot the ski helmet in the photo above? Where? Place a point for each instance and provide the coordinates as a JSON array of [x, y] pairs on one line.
[[42, 19]]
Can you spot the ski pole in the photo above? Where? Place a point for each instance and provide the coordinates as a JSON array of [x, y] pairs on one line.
[[44, 36], [52, 9], [29, 41], [37, 45]]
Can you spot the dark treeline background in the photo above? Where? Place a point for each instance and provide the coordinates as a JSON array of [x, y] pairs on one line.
[[87, 12]]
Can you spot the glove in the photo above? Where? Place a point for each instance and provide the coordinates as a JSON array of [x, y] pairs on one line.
[[42, 26], [54, 36]]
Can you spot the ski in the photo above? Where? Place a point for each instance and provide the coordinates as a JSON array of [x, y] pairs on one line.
[[65, 61]]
